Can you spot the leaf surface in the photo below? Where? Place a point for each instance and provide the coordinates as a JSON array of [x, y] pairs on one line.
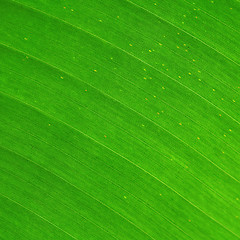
[[120, 119]]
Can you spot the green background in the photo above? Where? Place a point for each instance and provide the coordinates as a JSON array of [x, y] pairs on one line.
[[120, 119]]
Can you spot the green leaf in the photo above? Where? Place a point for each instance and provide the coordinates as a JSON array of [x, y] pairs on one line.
[[120, 119]]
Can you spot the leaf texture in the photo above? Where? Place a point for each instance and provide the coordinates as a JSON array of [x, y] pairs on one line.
[[120, 119]]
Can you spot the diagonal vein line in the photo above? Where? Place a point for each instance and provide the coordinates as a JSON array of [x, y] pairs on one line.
[[111, 44], [122, 129], [213, 17], [47, 193], [39, 216], [94, 140], [164, 46], [146, 144], [163, 101], [189, 34], [169, 49], [89, 195], [125, 79], [173, 135], [146, 204], [174, 52]]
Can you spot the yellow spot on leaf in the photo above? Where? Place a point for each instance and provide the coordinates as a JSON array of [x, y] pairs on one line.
[[130, 44], [180, 124], [95, 70]]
